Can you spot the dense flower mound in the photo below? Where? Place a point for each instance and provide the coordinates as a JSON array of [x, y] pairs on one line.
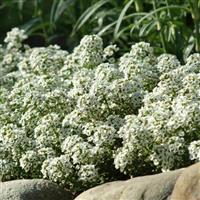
[[84, 118]]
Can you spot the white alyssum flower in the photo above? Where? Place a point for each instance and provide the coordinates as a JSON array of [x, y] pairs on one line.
[[194, 150], [88, 173], [167, 62], [88, 117], [14, 38]]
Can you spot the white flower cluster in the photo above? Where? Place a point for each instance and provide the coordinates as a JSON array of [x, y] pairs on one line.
[[167, 125], [88, 117], [14, 38], [194, 150], [90, 52], [10, 56], [167, 62], [43, 60], [140, 64]]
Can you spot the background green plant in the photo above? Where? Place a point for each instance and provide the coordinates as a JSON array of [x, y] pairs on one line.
[[45, 22], [171, 26]]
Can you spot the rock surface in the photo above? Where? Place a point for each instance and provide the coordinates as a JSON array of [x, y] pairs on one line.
[[36, 189], [154, 187], [187, 186]]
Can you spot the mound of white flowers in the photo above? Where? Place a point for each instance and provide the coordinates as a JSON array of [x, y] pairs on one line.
[[84, 118]]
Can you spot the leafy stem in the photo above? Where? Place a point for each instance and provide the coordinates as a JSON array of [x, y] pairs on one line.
[[196, 17], [162, 38], [138, 6]]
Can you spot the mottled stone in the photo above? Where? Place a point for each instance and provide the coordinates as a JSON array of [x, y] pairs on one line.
[[154, 187], [36, 189], [187, 186]]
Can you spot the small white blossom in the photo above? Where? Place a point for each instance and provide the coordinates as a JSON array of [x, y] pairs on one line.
[[194, 150], [14, 38], [83, 118], [88, 173]]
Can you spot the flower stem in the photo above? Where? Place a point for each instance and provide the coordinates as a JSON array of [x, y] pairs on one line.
[[138, 6], [162, 38], [196, 17]]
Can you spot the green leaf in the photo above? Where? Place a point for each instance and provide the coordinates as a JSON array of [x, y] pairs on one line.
[[30, 24], [147, 28], [106, 28], [87, 14], [189, 48], [152, 13], [21, 4], [58, 7], [121, 16]]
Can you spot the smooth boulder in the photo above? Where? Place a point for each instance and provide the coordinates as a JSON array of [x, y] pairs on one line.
[[35, 189], [187, 186], [154, 187]]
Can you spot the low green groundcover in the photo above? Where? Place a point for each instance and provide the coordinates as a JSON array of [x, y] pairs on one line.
[[84, 118]]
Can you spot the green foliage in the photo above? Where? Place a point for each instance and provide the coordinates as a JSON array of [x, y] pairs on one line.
[[171, 26], [45, 22]]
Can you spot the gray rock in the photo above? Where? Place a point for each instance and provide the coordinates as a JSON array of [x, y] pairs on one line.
[[187, 186], [107, 191], [36, 189], [154, 187]]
